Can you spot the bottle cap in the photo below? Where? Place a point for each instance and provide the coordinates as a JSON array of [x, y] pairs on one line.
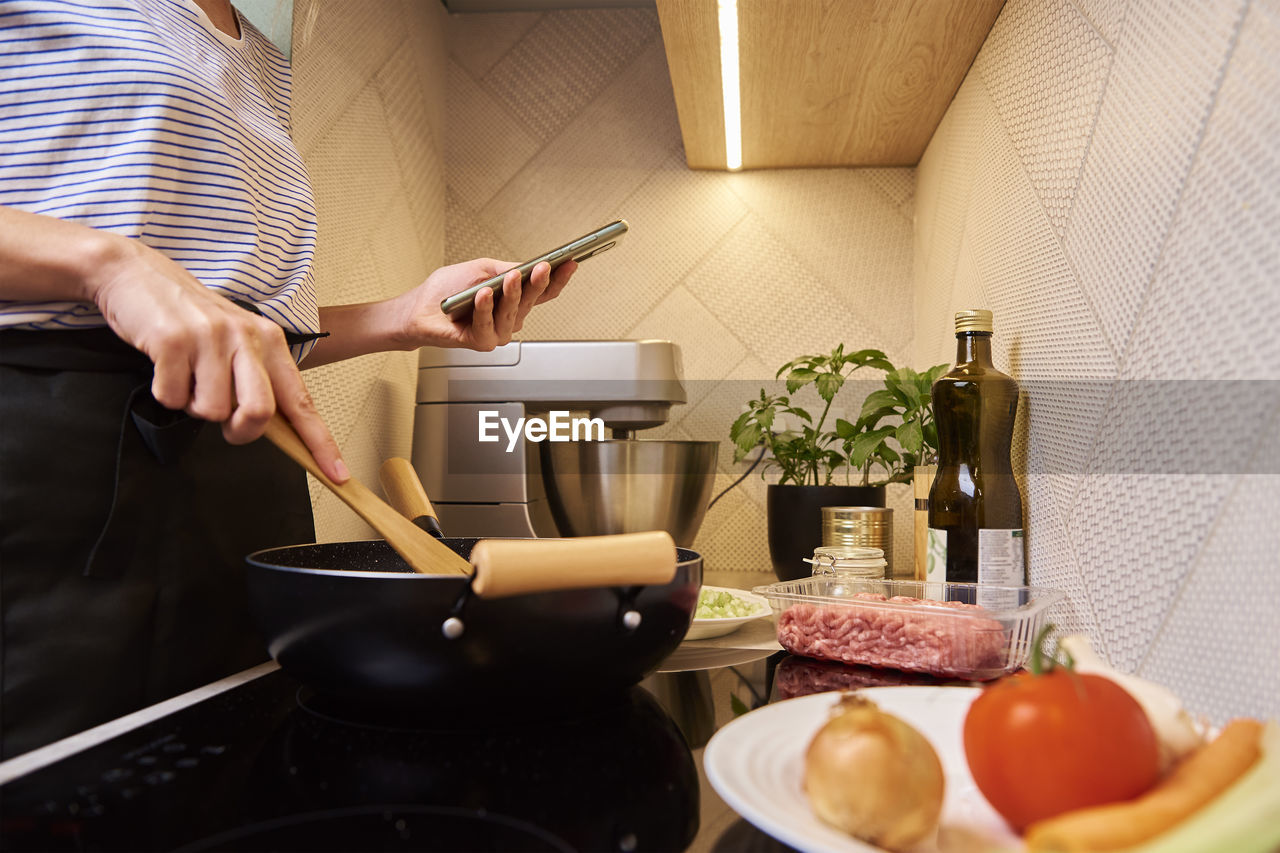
[[973, 320]]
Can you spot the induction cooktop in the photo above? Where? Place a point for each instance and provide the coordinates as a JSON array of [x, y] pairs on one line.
[[267, 765]]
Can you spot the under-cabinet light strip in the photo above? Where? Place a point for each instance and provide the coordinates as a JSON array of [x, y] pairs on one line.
[[729, 80]]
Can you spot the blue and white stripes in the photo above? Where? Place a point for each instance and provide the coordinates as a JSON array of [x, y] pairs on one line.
[[139, 117]]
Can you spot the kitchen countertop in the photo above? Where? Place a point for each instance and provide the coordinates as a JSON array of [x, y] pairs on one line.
[[258, 762]]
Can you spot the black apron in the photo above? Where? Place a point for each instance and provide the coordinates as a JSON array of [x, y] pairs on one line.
[[123, 533]]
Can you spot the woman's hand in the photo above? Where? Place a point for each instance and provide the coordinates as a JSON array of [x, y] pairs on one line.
[[212, 359], [492, 322], [414, 319]]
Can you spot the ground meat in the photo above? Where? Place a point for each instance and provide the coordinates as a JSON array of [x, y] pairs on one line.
[[940, 643]]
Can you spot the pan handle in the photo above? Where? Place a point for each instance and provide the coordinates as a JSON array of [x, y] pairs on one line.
[[506, 567], [405, 493]]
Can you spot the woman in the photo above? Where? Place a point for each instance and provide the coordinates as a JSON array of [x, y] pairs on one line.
[[156, 237]]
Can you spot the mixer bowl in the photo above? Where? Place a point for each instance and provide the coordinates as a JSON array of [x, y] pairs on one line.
[[628, 485]]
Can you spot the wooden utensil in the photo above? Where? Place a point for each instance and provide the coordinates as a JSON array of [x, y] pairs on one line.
[[406, 494], [423, 552], [505, 567]]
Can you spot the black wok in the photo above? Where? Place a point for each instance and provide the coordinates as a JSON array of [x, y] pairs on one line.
[[351, 620], [490, 619]]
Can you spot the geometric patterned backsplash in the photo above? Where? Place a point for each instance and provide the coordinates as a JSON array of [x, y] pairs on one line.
[[1107, 182], [372, 136], [562, 121]]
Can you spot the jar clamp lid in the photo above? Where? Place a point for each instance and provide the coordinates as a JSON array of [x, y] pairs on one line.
[[848, 561]]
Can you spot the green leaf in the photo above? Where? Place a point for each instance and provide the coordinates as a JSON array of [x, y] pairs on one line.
[[799, 378], [931, 435], [904, 380], [737, 705], [765, 418], [936, 371], [870, 421], [866, 444], [876, 400], [867, 356], [740, 424], [910, 436], [828, 385], [844, 429], [791, 365], [747, 438], [925, 386], [873, 358], [800, 413]]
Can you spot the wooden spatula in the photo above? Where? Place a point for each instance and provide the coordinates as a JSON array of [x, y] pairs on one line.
[[423, 552], [407, 496]]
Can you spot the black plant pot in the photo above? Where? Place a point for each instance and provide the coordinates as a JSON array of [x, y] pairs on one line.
[[795, 521]]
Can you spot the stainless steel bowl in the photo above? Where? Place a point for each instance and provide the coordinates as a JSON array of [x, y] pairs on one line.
[[627, 485]]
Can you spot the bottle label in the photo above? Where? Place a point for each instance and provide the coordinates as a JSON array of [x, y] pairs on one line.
[[1000, 563], [1000, 557], [936, 556]]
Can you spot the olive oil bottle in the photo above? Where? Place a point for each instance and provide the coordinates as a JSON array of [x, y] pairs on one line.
[[975, 510]]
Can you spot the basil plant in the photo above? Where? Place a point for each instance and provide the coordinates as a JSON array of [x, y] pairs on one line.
[[894, 430]]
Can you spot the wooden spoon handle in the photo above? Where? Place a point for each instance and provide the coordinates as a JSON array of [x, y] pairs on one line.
[[282, 434], [420, 550], [506, 567], [406, 495]]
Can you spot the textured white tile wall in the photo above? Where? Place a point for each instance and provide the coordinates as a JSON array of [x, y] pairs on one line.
[[1106, 181], [369, 120], [562, 121]]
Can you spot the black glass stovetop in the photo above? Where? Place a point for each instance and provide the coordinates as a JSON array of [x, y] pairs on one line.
[[270, 766]]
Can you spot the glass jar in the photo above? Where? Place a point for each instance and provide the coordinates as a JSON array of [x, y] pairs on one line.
[[846, 562]]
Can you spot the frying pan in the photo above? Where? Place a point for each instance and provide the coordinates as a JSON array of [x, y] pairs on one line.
[[351, 620]]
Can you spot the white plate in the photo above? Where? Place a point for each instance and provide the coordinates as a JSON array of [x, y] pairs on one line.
[[756, 764], [701, 629]]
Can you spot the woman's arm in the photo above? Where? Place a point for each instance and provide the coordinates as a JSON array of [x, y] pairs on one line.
[[413, 319], [212, 359]]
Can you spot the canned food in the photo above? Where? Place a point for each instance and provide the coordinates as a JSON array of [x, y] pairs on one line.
[[860, 526]]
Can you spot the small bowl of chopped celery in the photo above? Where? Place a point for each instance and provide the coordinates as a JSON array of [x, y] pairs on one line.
[[722, 610]]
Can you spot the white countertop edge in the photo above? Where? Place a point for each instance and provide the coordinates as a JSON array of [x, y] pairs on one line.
[[29, 762]]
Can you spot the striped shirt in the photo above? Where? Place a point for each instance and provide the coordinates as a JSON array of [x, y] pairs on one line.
[[141, 118]]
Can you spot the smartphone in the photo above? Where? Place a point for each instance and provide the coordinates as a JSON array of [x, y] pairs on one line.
[[586, 246]]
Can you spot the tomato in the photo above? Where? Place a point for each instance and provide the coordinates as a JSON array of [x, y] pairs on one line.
[[1041, 745]]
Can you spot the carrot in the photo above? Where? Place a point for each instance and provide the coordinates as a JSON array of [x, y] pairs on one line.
[[1197, 779]]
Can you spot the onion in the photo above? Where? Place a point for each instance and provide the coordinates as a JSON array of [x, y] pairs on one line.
[[873, 776]]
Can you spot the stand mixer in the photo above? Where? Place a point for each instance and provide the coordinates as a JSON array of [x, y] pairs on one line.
[[538, 438]]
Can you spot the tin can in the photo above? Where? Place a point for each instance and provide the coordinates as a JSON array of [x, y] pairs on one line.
[[860, 526]]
